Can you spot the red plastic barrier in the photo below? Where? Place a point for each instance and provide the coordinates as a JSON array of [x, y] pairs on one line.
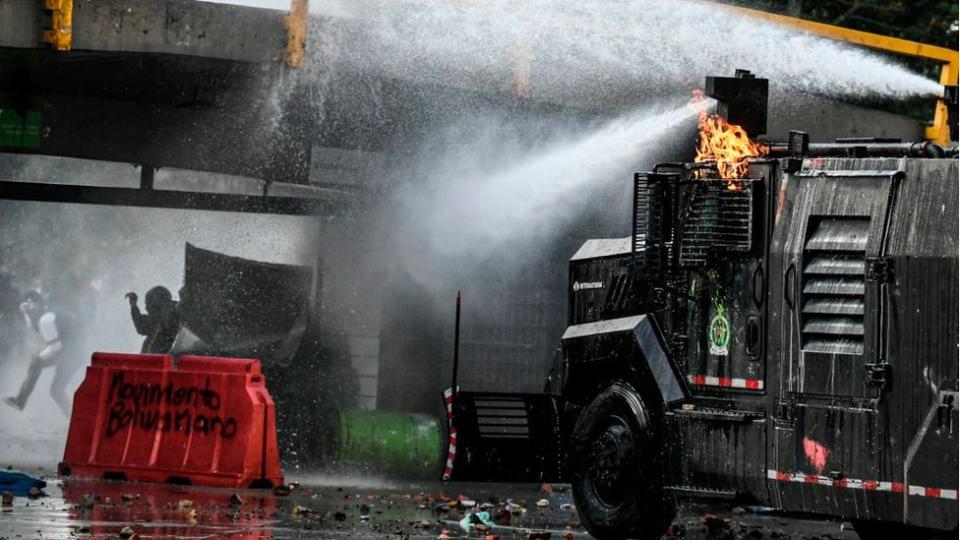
[[208, 421]]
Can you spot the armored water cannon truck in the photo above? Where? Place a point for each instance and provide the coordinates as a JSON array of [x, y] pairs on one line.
[[788, 338]]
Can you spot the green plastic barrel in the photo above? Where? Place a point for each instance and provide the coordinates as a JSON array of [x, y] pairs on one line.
[[403, 443]]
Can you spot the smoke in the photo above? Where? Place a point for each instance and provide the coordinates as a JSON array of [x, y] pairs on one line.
[[591, 52], [85, 257]]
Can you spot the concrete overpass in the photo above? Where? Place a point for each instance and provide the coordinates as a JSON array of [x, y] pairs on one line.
[[201, 86]]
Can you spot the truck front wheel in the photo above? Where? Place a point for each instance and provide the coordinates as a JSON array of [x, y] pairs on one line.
[[617, 467]]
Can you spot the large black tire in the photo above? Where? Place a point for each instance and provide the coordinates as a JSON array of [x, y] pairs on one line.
[[617, 467]]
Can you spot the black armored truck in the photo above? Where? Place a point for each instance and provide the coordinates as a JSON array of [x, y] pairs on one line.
[[787, 338]]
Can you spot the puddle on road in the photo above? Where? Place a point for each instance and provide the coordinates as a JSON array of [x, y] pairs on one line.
[[76, 508]]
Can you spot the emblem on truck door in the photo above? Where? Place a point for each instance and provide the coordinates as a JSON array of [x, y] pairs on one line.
[[719, 334], [718, 331]]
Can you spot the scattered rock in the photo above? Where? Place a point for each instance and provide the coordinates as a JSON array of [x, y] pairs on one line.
[[502, 517], [300, 510], [715, 524], [514, 508]]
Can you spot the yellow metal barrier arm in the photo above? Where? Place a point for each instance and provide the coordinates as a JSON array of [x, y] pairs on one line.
[[939, 130], [60, 34]]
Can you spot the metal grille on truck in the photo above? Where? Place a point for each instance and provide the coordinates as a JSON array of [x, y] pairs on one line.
[[502, 417], [832, 293], [652, 222], [716, 219]]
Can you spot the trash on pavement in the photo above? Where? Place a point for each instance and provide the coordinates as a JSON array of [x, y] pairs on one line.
[[19, 483], [476, 521]]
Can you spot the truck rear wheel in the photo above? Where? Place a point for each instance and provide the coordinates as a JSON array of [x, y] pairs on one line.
[[617, 469]]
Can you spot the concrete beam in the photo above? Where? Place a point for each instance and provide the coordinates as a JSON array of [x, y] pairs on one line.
[[182, 27]]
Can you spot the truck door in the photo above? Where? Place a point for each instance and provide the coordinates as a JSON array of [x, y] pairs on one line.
[[829, 431], [723, 239]]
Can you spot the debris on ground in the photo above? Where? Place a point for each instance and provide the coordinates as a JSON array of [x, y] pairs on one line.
[[715, 524], [18, 483], [676, 531], [476, 522], [514, 508], [299, 510], [7, 498], [421, 524]]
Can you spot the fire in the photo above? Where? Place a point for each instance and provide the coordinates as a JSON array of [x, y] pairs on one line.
[[724, 143]]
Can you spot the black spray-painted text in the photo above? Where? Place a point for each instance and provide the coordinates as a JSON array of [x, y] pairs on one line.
[[166, 407]]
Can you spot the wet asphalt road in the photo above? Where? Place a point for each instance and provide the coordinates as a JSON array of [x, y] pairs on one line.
[[324, 507]]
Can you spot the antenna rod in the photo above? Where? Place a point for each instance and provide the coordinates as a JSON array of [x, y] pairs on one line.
[[456, 345]]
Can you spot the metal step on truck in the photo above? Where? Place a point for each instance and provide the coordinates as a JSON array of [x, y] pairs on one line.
[[785, 336]]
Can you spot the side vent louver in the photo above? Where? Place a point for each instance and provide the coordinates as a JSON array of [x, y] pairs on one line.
[[832, 291]]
